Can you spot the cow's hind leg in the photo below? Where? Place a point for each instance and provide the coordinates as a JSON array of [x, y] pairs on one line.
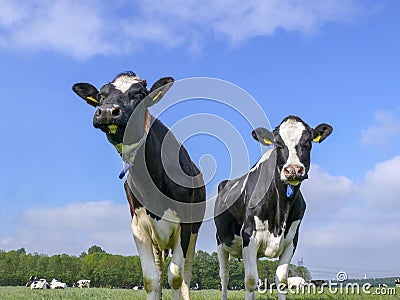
[[159, 260], [176, 269], [187, 275], [223, 259]]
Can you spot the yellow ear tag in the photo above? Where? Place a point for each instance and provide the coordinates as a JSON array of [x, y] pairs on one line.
[[158, 95], [317, 138], [113, 128], [118, 147], [267, 141], [92, 99]]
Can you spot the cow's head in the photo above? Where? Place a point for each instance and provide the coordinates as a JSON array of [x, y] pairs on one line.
[[293, 142], [118, 99], [31, 280]]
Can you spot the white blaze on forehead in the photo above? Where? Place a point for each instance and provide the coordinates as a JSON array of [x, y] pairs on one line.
[[291, 132], [124, 82]]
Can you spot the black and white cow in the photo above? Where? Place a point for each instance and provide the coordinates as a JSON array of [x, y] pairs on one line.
[[163, 186], [258, 214], [83, 283], [30, 281], [35, 283], [397, 282]]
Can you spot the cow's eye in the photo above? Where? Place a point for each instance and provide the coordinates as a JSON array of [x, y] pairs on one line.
[[279, 145], [135, 100], [100, 96], [138, 96]]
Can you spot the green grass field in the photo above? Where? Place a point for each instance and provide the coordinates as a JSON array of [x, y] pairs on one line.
[[23, 293]]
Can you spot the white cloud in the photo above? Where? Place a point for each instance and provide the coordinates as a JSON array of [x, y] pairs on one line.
[[382, 184], [88, 28], [386, 127], [357, 230], [11, 12], [264, 18], [326, 193], [72, 27], [72, 229]]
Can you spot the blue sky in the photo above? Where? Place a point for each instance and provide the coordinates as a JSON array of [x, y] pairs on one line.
[[326, 61]]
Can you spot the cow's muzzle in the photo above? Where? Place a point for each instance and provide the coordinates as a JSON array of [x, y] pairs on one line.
[[106, 115], [293, 174]]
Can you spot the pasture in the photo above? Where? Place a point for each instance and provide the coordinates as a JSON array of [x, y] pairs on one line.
[[23, 293]]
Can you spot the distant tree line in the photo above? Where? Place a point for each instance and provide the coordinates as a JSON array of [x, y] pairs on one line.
[[105, 269]]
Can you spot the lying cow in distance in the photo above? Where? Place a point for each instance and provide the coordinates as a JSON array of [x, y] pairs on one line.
[[57, 284], [83, 283], [30, 281], [129, 286], [318, 282], [256, 219], [296, 282], [159, 205], [35, 283]]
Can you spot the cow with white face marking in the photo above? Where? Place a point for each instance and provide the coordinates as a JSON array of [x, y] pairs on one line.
[[258, 214], [166, 211]]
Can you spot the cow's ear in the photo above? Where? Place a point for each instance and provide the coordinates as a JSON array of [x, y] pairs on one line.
[[159, 88], [264, 136], [321, 132], [87, 92]]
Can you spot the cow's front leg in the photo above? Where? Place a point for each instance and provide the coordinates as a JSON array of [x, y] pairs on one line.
[[147, 261], [282, 271], [176, 269], [249, 252]]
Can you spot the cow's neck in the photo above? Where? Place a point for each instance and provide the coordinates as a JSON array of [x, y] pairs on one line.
[[148, 160], [129, 140], [283, 203], [137, 128]]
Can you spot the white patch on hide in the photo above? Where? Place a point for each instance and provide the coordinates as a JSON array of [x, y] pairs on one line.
[[291, 132], [270, 245], [124, 82]]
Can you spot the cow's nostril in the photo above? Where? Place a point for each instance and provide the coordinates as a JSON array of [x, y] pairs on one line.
[[300, 170], [98, 112], [115, 111]]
